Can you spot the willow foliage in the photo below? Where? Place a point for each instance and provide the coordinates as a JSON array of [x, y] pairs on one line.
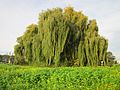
[[62, 38]]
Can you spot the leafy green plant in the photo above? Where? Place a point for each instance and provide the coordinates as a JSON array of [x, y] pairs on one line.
[[67, 78]]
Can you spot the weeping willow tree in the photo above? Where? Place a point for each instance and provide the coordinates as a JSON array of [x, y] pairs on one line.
[[62, 38]]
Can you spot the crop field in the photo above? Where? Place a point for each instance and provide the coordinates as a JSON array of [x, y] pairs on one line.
[[13, 77]]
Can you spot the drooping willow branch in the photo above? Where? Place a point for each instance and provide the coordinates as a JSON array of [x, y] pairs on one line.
[[62, 38]]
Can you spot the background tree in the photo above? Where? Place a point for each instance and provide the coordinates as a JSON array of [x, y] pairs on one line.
[[5, 58], [111, 58]]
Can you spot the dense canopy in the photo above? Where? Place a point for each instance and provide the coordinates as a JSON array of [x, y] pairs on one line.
[[62, 38]]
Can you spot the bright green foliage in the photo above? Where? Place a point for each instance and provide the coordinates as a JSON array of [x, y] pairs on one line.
[[23, 51], [71, 78], [62, 38]]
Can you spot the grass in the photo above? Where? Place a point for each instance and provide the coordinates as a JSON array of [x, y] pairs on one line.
[[15, 77]]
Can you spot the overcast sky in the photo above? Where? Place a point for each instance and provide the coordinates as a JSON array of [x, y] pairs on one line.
[[15, 15]]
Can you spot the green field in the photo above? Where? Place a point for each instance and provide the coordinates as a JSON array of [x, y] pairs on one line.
[[14, 77]]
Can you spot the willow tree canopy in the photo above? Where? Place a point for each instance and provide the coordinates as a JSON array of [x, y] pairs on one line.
[[62, 38]]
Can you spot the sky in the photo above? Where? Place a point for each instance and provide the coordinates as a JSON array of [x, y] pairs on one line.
[[16, 15]]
